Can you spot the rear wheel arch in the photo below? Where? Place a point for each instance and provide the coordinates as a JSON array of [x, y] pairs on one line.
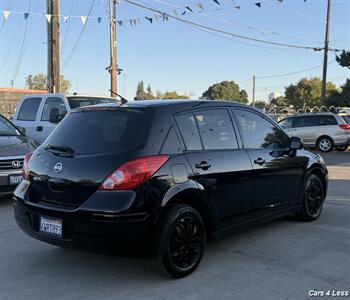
[[195, 201]]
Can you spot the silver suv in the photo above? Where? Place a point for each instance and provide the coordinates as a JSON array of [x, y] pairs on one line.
[[323, 130]]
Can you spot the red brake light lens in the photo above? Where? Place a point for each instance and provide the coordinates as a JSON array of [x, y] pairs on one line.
[[133, 173], [25, 169], [345, 126]]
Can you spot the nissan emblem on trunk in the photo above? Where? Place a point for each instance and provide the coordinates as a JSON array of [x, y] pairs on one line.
[[58, 167]]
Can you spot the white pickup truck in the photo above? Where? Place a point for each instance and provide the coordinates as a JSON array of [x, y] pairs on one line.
[[39, 114]]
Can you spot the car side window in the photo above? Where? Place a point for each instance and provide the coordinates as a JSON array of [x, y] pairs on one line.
[[189, 131], [328, 120], [29, 109], [259, 133], [216, 129], [286, 123], [306, 121], [50, 103]]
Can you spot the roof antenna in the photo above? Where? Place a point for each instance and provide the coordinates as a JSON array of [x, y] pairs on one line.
[[123, 100]]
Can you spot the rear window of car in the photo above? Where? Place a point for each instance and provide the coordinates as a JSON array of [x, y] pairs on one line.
[[76, 102], [29, 109], [102, 131], [346, 119], [189, 131]]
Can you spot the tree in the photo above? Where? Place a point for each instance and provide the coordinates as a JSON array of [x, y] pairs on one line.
[[149, 93], [342, 98], [39, 82], [344, 59], [171, 95], [140, 91], [226, 90], [307, 92], [279, 101], [261, 104]]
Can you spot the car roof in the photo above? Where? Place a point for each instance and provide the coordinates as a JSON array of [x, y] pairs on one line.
[[314, 114], [173, 103]]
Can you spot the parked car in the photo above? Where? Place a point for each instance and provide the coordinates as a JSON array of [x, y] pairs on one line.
[[161, 178], [40, 114], [13, 146], [322, 130]]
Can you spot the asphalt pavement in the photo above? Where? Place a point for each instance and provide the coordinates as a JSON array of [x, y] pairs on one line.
[[285, 259]]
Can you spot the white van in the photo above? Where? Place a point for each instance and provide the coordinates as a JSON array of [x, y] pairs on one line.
[[39, 114]]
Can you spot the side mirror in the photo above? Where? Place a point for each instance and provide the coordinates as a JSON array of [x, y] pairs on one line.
[[295, 143], [21, 130], [54, 116]]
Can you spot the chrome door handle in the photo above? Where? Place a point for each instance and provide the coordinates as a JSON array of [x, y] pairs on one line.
[[203, 165]]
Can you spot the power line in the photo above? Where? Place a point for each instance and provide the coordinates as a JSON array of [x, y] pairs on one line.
[[230, 22], [68, 25], [22, 46], [79, 37], [292, 73], [226, 32]]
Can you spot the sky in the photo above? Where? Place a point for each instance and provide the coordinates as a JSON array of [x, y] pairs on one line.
[[172, 55]]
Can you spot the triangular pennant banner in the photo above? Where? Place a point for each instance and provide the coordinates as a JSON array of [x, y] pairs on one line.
[[65, 19], [120, 22], [26, 15], [200, 5], [134, 22], [183, 13], [238, 7], [217, 2], [165, 17], [83, 19], [280, 0], [99, 19], [189, 8], [149, 19], [258, 4], [48, 18], [130, 22]]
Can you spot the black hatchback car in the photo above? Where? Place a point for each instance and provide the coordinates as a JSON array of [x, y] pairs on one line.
[[161, 178]]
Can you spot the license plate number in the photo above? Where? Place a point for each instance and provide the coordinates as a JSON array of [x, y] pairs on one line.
[[51, 226], [14, 180]]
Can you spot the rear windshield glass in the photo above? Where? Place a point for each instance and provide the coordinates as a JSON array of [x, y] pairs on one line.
[[101, 131], [346, 119], [75, 102]]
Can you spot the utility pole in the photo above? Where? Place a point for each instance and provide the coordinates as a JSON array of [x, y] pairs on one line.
[[253, 91], [113, 46], [53, 47], [325, 56]]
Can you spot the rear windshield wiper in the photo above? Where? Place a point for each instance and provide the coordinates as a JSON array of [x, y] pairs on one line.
[[62, 148]]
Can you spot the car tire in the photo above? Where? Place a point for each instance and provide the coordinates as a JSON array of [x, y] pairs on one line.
[[341, 149], [313, 198], [325, 144], [182, 241]]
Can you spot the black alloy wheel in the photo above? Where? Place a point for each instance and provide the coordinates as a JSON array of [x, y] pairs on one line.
[[182, 241], [313, 198]]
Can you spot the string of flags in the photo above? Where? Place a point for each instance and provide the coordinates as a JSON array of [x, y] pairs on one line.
[[195, 8]]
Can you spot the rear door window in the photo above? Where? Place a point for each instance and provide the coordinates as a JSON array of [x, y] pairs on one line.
[[102, 131], [306, 121], [189, 131], [216, 129], [29, 109]]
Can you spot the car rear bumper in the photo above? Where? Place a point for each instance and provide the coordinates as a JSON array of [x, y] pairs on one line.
[[120, 233]]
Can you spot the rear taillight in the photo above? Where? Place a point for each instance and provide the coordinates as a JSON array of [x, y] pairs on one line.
[[345, 126], [25, 165], [133, 173]]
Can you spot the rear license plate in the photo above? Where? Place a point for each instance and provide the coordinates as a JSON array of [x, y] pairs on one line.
[[15, 179], [51, 226]]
